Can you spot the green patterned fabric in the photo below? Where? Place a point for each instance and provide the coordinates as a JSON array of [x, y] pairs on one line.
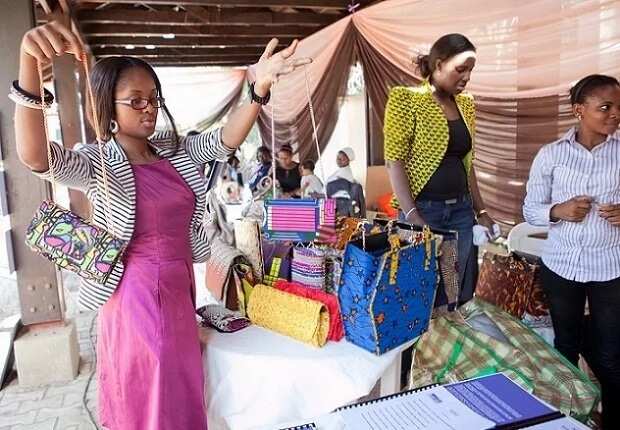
[[416, 131], [452, 350]]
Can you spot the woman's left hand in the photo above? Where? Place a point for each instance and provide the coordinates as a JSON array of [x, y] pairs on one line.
[[272, 66], [611, 213]]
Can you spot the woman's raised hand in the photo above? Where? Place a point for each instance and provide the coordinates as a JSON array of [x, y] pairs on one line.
[[51, 40], [272, 66]]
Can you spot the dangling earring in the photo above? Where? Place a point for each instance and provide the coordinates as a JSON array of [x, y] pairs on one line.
[[579, 116], [114, 127]]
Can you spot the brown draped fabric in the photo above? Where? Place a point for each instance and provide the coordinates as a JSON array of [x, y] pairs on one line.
[[528, 55], [297, 130], [379, 77]]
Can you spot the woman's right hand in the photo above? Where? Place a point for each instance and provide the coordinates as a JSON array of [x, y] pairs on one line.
[[573, 210], [51, 40]]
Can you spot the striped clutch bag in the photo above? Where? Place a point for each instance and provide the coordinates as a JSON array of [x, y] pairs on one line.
[[297, 220]]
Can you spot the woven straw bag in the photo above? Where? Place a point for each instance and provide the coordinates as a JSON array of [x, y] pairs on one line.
[[302, 319]]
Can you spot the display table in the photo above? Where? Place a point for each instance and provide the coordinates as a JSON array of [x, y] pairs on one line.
[[256, 378]]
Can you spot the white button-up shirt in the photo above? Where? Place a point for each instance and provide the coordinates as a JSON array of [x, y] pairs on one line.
[[579, 251]]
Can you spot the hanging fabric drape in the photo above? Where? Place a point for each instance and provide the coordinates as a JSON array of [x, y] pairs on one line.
[[332, 52], [201, 96], [528, 56]]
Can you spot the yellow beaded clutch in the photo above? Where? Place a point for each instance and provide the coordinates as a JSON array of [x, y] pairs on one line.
[[301, 318]]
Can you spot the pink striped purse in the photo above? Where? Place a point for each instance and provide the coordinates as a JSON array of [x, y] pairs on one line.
[[298, 220]]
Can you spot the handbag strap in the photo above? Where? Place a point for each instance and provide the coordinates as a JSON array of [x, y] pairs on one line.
[[315, 136], [90, 102]]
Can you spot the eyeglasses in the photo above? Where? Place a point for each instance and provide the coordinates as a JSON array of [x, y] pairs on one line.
[[140, 103]]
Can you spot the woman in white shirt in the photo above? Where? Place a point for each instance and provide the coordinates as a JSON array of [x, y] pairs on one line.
[[574, 188], [343, 160]]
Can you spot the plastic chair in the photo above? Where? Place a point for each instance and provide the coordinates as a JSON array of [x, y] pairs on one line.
[[525, 238]]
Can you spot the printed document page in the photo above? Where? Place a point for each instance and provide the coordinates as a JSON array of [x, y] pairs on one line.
[[434, 408]]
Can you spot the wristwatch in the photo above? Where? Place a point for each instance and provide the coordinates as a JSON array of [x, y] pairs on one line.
[[258, 99]]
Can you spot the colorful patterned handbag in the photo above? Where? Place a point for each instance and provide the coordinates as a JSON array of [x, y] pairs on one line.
[[308, 267], [297, 220], [511, 283], [66, 239], [276, 260], [73, 244], [387, 290], [333, 271]]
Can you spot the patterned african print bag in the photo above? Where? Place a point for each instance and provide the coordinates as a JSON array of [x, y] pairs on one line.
[[66, 239], [387, 289]]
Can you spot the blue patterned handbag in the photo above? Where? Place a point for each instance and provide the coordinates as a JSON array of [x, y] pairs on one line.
[[387, 289]]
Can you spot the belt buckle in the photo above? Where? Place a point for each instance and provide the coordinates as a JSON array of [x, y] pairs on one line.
[[451, 201]]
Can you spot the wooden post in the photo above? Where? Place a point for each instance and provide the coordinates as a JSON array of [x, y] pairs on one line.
[[67, 88], [37, 280]]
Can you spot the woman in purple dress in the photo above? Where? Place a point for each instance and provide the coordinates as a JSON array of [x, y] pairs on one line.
[[149, 356]]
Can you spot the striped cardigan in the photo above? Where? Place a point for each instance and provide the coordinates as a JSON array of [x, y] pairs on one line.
[[80, 169]]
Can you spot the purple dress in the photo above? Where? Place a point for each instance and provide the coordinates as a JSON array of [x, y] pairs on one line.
[[148, 352]]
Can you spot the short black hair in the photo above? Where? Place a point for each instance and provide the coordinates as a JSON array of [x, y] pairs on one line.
[[586, 86], [308, 164], [263, 150], [286, 148]]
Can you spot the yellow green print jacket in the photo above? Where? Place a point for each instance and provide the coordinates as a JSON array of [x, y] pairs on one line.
[[415, 132]]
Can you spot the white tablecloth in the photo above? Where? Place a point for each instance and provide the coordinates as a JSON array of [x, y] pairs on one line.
[[256, 378]]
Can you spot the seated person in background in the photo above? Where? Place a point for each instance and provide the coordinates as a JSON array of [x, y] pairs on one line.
[[287, 173], [311, 185], [232, 171], [343, 160], [263, 157], [343, 187]]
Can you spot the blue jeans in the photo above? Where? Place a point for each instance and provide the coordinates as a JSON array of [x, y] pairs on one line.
[[457, 214]]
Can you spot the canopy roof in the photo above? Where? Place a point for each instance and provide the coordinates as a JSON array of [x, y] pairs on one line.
[[198, 32]]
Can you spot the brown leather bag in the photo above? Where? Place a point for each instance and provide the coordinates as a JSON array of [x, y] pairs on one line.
[[512, 283]]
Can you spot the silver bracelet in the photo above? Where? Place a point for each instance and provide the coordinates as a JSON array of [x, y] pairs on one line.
[[413, 209], [25, 102], [26, 99]]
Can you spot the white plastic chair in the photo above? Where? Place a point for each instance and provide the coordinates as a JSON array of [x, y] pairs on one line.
[[520, 239]]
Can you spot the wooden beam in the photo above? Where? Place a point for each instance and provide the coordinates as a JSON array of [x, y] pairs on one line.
[[178, 52], [176, 63], [223, 17], [305, 4], [201, 59], [183, 42], [124, 30]]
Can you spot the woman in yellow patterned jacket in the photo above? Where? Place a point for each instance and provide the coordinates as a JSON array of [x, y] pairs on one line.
[[429, 143]]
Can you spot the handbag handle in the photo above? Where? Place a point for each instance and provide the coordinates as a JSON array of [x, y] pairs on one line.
[[315, 136], [90, 102]]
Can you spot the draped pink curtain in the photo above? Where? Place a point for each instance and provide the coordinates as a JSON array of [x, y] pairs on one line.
[[529, 54], [201, 96]]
